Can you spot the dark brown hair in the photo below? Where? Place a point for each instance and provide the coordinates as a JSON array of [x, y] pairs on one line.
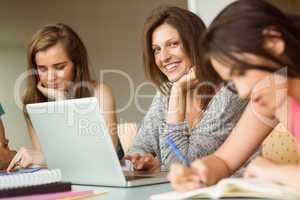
[[239, 29], [45, 38], [189, 27]]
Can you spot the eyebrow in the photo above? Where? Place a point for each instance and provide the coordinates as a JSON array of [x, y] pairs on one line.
[[167, 41], [56, 64]]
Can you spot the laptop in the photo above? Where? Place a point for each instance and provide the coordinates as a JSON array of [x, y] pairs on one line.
[[75, 139]]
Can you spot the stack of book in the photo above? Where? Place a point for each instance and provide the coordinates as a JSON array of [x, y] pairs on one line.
[[32, 181]]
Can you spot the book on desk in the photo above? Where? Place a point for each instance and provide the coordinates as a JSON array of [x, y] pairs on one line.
[[235, 188], [32, 181]]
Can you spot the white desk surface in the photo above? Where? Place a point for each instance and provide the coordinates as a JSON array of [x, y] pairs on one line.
[[115, 193], [134, 193]]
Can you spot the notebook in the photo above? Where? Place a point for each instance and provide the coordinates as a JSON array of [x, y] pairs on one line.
[[32, 181], [235, 188], [71, 195]]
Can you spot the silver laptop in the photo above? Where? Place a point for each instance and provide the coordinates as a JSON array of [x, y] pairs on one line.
[[75, 139]]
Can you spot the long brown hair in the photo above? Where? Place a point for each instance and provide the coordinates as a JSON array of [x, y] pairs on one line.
[[239, 29], [189, 27], [45, 38]]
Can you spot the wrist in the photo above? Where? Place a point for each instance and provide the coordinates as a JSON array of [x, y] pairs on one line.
[[218, 169], [177, 88]]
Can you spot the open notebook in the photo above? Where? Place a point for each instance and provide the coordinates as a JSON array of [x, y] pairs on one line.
[[32, 181], [233, 188]]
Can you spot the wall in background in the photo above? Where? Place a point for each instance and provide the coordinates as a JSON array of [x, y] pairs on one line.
[[111, 30], [208, 9]]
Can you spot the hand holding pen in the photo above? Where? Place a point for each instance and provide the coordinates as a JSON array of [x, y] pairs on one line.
[[186, 176]]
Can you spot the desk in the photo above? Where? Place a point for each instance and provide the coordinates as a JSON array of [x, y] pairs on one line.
[[134, 193]]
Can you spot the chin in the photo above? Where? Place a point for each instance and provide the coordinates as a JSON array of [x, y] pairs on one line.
[[174, 78]]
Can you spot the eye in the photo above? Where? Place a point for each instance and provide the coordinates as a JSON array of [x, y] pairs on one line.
[[174, 44], [42, 68], [60, 67], [156, 50]]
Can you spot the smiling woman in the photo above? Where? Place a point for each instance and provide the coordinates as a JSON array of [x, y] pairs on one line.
[[59, 69], [192, 108]]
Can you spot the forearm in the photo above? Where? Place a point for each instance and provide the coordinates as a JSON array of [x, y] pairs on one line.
[[177, 105], [113, 130], [143, 140], [33, 136]]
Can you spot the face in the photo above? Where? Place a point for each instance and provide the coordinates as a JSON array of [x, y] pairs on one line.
[[169, 53], [263, 88], [55, 69]]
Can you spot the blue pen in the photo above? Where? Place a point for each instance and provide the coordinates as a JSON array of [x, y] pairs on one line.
[[180, 156], [177, 152]]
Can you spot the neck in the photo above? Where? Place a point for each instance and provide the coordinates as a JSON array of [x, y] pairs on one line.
[[293, 88]]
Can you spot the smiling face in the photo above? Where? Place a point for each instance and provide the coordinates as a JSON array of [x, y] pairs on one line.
[[169, 53], [55, 69], [263, 88]]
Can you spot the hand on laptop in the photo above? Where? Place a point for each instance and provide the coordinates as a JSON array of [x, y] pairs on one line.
[[144, 162], [25, 158], [51, 93]]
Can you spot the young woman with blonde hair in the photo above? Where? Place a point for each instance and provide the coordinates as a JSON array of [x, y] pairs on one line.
[[59, 69]]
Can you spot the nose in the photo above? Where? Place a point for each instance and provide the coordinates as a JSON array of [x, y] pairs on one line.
[[165, 55], [51, 75]]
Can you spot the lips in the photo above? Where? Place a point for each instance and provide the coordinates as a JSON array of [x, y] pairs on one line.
[[170, 67]]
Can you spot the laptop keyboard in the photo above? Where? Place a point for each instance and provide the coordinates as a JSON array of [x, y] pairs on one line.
[[135, 175], [132, 178]]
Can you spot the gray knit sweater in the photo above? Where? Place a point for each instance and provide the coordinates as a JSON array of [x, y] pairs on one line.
[[217, 121]]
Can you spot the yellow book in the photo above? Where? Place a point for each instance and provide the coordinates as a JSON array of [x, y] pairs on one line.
[[235, 188]]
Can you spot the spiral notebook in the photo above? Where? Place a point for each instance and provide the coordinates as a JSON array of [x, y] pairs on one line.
[[32, 181]]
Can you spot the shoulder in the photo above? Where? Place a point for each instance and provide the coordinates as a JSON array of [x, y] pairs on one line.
[[225, 99], [102, 89], [104, 94]]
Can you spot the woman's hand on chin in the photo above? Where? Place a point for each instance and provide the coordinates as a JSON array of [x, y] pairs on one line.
[[51, 93], [187, 81]]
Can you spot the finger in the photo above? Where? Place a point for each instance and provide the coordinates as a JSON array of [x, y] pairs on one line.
[[148, 158], [25, 161], [14, 161], [41, 87], [201, 169], [135, 158], [183, 186], [191, 186], [139, 165], [127, 157]]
